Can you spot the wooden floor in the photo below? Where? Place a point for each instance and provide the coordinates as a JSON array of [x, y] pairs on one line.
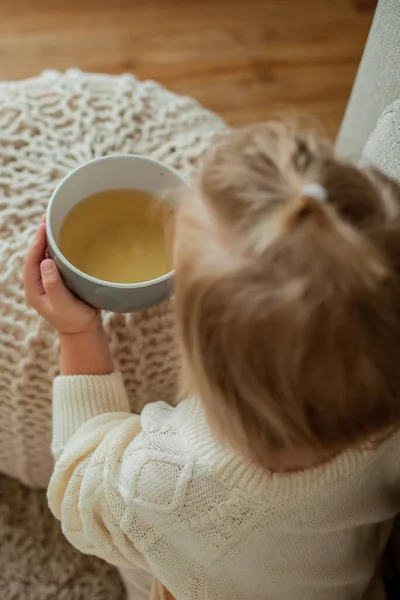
[[242, 58]]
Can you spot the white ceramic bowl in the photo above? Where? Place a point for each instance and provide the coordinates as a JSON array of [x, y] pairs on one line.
[[123, 171]]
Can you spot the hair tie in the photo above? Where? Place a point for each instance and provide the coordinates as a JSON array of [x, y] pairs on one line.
[[316, 191]]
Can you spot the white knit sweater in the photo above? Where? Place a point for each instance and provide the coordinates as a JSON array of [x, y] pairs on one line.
[[160, 492]]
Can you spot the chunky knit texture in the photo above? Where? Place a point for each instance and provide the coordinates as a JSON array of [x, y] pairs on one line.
[[48, 126], [160, 492]]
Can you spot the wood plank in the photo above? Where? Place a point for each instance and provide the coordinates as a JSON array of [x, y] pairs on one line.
[[243, 59]]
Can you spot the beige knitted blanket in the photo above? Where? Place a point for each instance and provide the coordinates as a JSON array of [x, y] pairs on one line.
[[49, 125]]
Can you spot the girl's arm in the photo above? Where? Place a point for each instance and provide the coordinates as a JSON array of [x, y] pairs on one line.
[[94, 443], [119, 479], [83, 342], [86, 353], [92, 425]]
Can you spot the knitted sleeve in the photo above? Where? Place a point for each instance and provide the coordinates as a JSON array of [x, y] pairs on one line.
[[109, 480]]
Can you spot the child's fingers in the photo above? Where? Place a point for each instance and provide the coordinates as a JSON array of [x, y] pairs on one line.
[[38, 245], [46, 252], [32, 276], [59, 296]]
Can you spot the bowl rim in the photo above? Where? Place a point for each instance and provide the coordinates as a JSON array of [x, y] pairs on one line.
[[54, 246]]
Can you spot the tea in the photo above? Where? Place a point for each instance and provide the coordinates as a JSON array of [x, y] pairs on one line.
[[118, 236]]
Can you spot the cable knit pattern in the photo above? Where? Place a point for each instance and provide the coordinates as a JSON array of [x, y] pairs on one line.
[[160, 492], [48, 126]]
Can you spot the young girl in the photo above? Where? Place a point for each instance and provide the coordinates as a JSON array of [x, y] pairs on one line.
[[278, 476]]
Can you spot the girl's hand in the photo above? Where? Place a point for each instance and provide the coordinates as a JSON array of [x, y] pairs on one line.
[[46, 293]]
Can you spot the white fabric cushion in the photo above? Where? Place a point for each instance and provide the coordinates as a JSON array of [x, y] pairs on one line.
[[377, 83], [383, 146]]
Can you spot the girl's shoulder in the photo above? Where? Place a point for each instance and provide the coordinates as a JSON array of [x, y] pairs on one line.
[[183, 431]]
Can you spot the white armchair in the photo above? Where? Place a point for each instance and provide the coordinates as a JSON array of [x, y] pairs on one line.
[[377, 83]]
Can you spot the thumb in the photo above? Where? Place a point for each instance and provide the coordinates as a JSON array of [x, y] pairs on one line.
[[53, 284]]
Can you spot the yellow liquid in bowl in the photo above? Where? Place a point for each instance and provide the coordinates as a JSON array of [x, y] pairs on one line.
[[118, 236]]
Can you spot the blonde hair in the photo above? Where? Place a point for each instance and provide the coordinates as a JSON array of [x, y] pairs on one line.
[[288, 307]]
